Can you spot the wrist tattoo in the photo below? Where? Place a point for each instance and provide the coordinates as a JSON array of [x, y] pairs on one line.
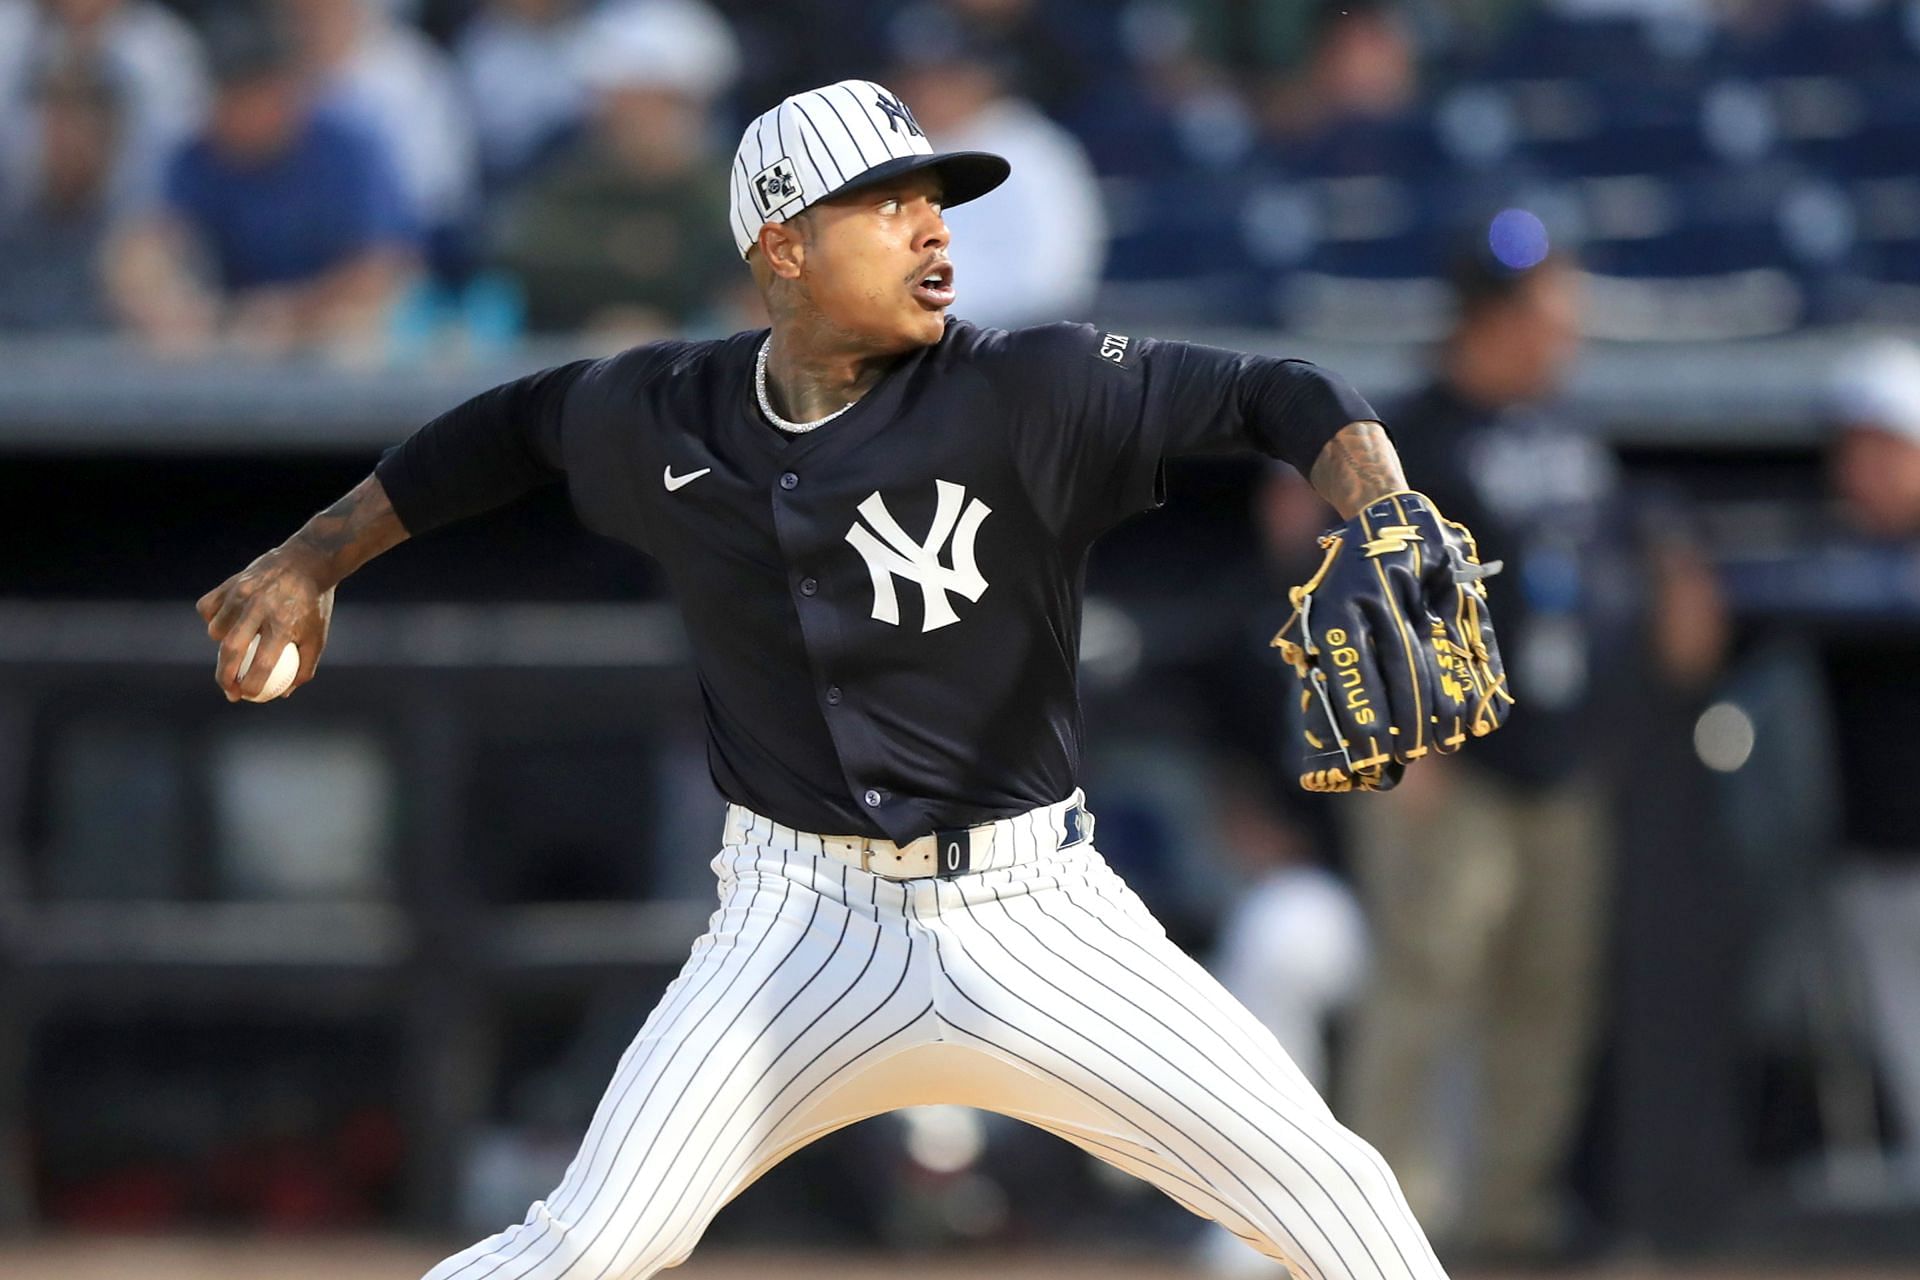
[[353, 530], [1358, 465]]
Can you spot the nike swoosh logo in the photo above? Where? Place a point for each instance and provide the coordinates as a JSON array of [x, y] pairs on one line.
[[674, 482]]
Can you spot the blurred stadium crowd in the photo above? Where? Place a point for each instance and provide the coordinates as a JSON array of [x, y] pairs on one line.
[[1715, 652], [1726, 167]]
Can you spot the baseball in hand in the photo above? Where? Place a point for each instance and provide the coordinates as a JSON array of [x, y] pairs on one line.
[[281, 678]]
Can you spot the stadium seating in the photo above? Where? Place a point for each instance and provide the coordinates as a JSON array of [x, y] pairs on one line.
[[1719, 184]]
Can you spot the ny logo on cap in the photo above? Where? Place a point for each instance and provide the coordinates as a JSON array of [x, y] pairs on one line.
[[775, 186], [898, 114]]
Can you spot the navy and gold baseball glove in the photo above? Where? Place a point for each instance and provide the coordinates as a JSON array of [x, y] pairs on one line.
[[1393, 645]]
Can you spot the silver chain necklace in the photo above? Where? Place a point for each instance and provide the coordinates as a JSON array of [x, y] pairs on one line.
[[766, 405]]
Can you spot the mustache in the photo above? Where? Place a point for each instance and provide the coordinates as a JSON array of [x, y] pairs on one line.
[[932, 261]]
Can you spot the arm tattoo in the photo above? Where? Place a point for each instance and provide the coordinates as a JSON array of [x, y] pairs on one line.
[[1356, 466], [352, 531]]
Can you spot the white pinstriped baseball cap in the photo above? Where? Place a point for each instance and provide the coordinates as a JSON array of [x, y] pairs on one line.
[[825, 141]]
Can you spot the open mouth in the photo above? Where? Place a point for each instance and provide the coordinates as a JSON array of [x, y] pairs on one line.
[[933, 288]]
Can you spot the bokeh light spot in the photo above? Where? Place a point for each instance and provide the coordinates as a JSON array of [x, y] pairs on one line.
[[1518, 239], [1723, 737]]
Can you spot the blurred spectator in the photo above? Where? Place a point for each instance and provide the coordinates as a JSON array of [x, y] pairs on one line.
[[1033, 253], [1876, 450], [1052, 51], [1876, 699], [404, 87], [518, 59], [1591, 9], [282, 224], [1293, 950], [144, 48], [1360, 65], [1246, 36], [53, 241], [1486, 874], [1182, 103], [791, 46], [627, 234]]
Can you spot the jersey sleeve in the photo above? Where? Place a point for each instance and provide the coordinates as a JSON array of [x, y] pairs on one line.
[[483, 453], [1117, 407]]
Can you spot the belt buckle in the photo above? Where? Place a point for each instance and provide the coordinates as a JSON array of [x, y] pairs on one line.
[[855, 851]]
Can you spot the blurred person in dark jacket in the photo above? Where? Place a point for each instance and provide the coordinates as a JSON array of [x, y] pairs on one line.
[[1875, 466], [624, 236], [1487, 874], [282, 224], [53, 235]]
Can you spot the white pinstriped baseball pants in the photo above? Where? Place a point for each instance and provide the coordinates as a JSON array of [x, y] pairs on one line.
[[821, 995]]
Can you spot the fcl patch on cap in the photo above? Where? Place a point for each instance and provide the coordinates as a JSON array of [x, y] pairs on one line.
[[775, 188]]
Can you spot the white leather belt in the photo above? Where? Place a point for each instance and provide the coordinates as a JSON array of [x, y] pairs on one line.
[[1003, 842], [945, 853]]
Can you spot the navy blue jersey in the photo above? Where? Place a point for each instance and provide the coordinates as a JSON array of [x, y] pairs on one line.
[[885, 611]]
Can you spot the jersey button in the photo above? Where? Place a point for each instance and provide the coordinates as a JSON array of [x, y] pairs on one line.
[[789, 480], [872, 798], [808, 586], [833, 695]]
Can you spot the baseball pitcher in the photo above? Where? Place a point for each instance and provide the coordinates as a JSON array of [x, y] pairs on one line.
[[876, 520]]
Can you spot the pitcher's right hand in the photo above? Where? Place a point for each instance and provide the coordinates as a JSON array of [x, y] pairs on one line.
[[280, 598]]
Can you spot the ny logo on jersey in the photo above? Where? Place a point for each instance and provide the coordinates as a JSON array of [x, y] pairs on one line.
[[898, 114], [890, 552]]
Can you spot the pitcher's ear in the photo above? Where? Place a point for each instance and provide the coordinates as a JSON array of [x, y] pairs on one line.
[[783, 247]]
